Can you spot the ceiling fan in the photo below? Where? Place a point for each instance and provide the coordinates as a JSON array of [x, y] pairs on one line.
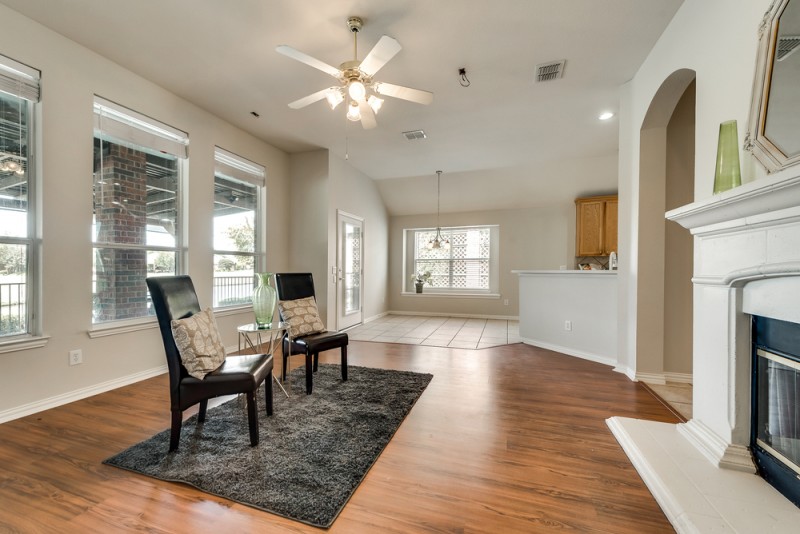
[[356, 79]]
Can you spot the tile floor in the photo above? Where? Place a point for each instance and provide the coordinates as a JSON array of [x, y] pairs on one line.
[[456, 332], [677, 395]]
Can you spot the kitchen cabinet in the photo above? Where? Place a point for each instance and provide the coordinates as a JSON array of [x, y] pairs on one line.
[[596, 226]]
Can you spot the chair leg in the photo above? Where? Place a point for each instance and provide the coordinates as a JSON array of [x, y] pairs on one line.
[[268, 393], [201, 414], [316, 362], [308, 373], [344, 363], [252, 417], [285, 359], [175, 430]]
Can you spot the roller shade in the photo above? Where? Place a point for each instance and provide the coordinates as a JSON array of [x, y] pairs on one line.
[[118, 122], [19, 80], [232, 166]]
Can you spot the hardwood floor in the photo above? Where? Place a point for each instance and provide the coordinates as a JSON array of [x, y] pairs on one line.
[[508, 439]]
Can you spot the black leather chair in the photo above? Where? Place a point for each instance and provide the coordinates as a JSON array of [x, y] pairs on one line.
[[292, 286], [174, 297]]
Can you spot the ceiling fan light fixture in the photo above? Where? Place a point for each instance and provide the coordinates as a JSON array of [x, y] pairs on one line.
[[353, 113], [356, 90], [334, 97], [375, 103]]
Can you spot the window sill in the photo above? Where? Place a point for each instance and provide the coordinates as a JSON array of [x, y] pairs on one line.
[[451, 295], [18, 343], [122, 327]]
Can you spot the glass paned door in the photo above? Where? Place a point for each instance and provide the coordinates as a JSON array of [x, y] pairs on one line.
[[349, 270]]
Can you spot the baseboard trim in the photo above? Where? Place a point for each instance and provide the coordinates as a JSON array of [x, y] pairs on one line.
[[78, 394], [460, 315], [716, 449], [605, 360], [663, 378], [627, 371], [375, 317]]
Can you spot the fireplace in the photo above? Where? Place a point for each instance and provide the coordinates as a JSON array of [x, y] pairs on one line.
[[775, 427], [746, 264]]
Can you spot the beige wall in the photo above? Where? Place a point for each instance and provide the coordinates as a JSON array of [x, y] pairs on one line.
[[678, 241], [308, 219], [536, 238], [357, 194], [71, 75], [321, 185], [724, 76]]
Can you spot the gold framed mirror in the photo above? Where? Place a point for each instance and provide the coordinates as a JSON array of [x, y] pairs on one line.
[[773, 134]]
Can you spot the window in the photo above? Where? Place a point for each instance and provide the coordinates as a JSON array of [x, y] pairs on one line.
[[137, 221], [19, 92], [468, 266], [239, 200]]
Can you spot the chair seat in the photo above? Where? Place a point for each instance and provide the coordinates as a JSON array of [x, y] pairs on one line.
[[237, 374], [322, 341]]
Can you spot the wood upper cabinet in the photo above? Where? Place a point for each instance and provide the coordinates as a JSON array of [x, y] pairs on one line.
[[596, 226]]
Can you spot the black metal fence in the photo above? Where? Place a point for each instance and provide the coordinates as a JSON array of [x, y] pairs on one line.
[[232, 290], [13, 308]]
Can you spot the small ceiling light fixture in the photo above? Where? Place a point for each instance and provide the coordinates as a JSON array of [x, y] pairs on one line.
[[353, 113], [462, 77], [375, 103], [438, 241], [605, 115], [334, 97]]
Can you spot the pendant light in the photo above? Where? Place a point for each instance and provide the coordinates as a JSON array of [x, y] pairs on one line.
[[438, 241]]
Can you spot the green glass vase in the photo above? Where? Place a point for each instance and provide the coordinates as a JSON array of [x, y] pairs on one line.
[[728, 174], [264, 300]]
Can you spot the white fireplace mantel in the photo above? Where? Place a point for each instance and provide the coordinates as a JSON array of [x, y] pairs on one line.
[[739, 206], [746, 262]]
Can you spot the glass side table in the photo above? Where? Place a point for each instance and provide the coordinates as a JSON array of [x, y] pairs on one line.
[[251, 337]]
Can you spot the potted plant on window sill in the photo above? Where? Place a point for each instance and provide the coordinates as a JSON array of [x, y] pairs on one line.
[[420, 279]]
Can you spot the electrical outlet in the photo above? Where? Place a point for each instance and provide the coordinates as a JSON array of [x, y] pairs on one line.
[[505, 302], [568, 326], [75, 357]]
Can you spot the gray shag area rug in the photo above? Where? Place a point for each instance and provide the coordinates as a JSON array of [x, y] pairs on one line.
[[312, 454]]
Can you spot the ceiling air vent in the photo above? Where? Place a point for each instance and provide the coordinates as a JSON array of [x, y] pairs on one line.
[[549, 71], [415, 134], [786, 45]]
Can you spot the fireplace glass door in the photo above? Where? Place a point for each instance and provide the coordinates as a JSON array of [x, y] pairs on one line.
[[778, 420]]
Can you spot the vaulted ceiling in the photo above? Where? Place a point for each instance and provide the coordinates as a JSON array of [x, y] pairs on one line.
[[510, 141]]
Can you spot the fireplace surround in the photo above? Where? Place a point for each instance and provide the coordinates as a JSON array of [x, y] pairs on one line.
[[746, 263]]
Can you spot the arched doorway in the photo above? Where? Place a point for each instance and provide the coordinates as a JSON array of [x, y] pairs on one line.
[[665, 250]]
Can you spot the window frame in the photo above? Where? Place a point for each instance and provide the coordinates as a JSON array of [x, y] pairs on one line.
[[409, 240], [23, 83], [235, 168], [127, 127]]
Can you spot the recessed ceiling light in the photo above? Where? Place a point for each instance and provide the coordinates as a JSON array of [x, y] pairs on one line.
[[605, 115]]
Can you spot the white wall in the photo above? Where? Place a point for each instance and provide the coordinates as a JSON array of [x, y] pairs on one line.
[[536, 238], [71, 75], [724, 74]]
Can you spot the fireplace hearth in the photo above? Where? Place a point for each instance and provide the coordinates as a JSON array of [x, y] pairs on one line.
[[775, 427]]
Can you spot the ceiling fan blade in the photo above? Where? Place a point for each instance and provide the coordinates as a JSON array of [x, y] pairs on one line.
[[310, 99], [288, 51], [405, 93], [367, 115], [380, 55]]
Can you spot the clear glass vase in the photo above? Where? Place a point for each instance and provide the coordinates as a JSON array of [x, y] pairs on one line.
[[728, 174], [264, 300]]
